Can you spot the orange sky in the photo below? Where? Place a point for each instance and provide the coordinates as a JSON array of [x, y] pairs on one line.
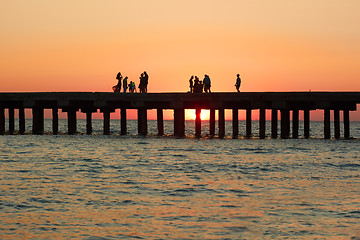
[[276, 45]]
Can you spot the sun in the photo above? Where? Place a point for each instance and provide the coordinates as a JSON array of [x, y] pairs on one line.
[[190, 114]]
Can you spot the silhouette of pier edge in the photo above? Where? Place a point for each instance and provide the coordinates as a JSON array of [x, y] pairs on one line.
[[89, 102]]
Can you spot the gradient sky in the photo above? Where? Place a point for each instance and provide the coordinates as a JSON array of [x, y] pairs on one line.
[[277, 45]]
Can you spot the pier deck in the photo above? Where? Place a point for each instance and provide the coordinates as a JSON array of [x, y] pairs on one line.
[[89, 102]]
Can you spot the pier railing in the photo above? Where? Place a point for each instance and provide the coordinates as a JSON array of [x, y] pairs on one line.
[[89, 102]]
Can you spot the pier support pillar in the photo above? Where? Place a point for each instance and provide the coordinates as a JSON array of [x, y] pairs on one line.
[[2, 121], [142, 121], [337, 123], [212, 122], [327, 123], [235, 123], [88, 122], [106, 115], [160, 121], [123, 130], [55, 121], [274, 123], [88, 111], [248, 123], [38, 120], [71, 115], [198, 122], [295, 123], [285, 123], [179, 122], [221, 123], [262, 123], [346, 124], [306, 123], [11, 120], [21, 120]]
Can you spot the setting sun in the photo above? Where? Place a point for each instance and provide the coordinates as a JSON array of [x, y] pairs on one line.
[[190, 114]]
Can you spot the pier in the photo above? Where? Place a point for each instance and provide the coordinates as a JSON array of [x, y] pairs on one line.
[[289, 104]]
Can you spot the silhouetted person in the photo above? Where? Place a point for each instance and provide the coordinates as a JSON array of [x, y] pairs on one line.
[[125, 84], [191, 84], [117, 87], [146, 80], [142, 83], [132, 87], [238, 82], [207, 84], [196, 85], [201, 87]]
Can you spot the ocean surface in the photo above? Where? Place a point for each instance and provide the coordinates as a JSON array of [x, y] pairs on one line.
[[130, 187]]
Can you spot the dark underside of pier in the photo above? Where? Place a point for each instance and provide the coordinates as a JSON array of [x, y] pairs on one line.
[[88, 102]]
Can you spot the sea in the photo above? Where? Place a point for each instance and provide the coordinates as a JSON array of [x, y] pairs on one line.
[[97, 187]]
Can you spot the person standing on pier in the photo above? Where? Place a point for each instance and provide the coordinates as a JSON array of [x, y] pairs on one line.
[[125, 84], [191, 84], [238, 82], [146, 80], [207, 84], [142, 83], [117, 87]]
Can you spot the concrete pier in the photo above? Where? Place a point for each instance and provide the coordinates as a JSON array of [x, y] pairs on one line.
[[221, 123], [262, 123], [197, 122], [306, 123], [212, 122], [274, 123], [248, 123], [179, 122], [160, 121], [55, 120], [21, 120], [286, 102], [235, 123]]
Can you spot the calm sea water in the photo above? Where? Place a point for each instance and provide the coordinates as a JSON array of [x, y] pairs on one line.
[[130, 187]]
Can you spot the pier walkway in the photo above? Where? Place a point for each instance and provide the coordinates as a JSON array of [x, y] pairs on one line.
[[288, 103]]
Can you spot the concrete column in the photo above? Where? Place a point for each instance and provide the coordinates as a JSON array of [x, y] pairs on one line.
[[2, 121], [179, 122], [248, 123], [212, 122], [295, 123], [337, 123], [160, 121], [88, 122], [123, 121], [327, 123], [71, 121], [306, 123], [346, 124], [21, 120], [55, 121], [221, 123], [142, 121], [11, 120], [38, 120], [106, 114], [285, 123], [198, 122], [262, 123], [274, 123], [235, 122]]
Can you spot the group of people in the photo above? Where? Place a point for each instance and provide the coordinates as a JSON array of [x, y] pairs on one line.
[[197, 86], [144, 79]]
